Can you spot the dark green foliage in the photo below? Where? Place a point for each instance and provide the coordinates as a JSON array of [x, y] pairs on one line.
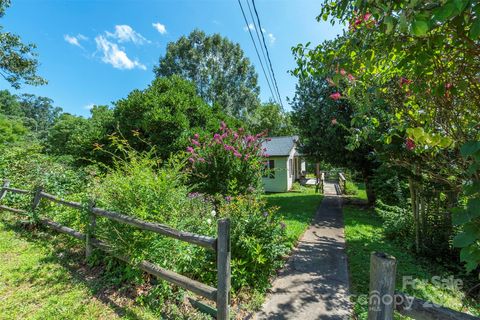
[[397, 222], [81, 137], [271, 118], [165, 115], [389, 187], [223, 76], [18, 61]]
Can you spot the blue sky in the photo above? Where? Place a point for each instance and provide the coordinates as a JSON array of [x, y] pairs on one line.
[[96, 52]]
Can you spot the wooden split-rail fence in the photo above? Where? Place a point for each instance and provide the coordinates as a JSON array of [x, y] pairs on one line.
[[384, 300], [221, 245]]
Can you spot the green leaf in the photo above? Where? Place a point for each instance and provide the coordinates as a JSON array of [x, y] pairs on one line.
[[475, 29], [470, 148], [390, 22], [461, 216], [419, 28], [444, 12], [464, 239]]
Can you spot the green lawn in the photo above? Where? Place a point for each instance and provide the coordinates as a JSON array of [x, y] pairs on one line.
[[297, 207], [364, 234], [42, 278]]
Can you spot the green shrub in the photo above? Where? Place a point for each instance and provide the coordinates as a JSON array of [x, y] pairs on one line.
[[397, 222], [351, 188]]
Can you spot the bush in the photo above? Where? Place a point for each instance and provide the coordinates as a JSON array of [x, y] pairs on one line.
[[230, 163], [351, 188], [397, 222]]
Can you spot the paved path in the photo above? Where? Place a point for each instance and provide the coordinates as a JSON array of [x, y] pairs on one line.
[[314, 283]]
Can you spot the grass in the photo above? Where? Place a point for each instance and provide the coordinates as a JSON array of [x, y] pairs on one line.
[[364, 234], [42, 276], [298, 208]]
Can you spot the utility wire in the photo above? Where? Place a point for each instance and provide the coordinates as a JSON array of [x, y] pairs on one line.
[[266, 49], [256, 50], [257, 30]]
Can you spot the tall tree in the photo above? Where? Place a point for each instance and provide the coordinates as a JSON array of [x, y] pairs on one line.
[[218, 67], [324, 127], [18, 63], [39, 112], [165, 115], [270, 117]]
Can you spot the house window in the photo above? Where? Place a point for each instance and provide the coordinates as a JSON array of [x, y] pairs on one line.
[[269, 169]]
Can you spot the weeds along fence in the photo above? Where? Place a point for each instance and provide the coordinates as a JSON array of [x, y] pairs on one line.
[[221, 244]]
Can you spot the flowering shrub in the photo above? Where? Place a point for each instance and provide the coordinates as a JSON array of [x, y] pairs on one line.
[[230, 163]]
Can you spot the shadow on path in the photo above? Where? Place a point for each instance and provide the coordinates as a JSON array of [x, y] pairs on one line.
[[314, 283]]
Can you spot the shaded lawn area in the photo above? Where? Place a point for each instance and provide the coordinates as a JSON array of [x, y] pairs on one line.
[[298, 209], [43, 276], [364, 234]]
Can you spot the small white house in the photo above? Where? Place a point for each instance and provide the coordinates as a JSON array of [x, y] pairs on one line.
[[285, 163]]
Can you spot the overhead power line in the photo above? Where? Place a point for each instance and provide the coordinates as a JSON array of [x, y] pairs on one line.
[[256, 50], [266, 49], [257, 31]]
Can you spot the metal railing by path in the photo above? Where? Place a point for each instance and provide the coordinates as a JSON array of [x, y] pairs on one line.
[[221, 244]]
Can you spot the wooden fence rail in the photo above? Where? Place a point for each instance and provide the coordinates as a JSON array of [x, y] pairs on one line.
[[383, 300], [342, 183], [221, 244]]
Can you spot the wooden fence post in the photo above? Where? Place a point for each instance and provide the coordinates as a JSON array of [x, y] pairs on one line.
[[223, 269], [381, 302], [3, 192], [92, 223], [36, 201]]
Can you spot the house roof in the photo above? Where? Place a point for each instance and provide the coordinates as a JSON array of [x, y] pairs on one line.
[[279, 146]]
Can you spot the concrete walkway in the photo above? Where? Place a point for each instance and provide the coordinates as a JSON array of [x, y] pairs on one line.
[[314, 283]]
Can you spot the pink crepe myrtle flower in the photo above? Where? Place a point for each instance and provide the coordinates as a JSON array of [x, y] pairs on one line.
[[334, 121], [410, 144], [247, 156], [367, 16], [237, 154], [351, 77], [201, 160], [195, 142], [190, 149], [404, 81], [223, 126], [343, 72], [358, 21], [196, 136], [191, 160], [448, 85], [335, 96]]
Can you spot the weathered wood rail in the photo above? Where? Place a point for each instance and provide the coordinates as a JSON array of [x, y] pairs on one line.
[[221, 244], [342, 183], [384, 300]]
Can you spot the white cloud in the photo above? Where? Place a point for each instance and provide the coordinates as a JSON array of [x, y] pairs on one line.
[[115, 56], [271, 38], [160, 27], [75, 40], [249, 26], [125, 33], [89, 106]]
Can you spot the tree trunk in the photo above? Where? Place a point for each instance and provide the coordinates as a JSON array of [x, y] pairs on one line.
[[369, 189]]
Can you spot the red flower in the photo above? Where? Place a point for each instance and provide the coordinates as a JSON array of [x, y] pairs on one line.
[[404, 81], [343, 72], [410, 144], [350, 77], [367, 16], [335, 96]]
